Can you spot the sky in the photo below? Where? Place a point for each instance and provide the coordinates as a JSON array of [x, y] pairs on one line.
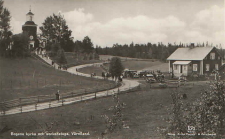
[[108, 22]]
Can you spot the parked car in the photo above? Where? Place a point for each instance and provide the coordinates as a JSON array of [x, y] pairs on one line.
[[136, 75], [150, 78]]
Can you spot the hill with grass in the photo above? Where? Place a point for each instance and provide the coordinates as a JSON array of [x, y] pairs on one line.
[[29, 77]]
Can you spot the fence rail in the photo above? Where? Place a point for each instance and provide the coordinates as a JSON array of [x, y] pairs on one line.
[[6, 105], [35, 103]]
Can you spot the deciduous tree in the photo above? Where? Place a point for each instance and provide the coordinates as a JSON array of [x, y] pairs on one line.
[[61, 59], [87, 45], [116, 68], [56, 30], [20, 45]]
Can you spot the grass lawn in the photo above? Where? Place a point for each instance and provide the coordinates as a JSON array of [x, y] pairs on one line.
[[148, 65], [92, 69], [29, 77], [71, 61], [143, 113], [131, 64]]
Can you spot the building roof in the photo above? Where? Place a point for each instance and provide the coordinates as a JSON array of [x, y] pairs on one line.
[[196, 53], [182, 62], [30, 13], [30, 23]]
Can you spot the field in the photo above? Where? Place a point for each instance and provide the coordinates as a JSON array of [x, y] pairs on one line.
[[131, 64], [146, 65], [29, 77], [143, 113], [106, 57]]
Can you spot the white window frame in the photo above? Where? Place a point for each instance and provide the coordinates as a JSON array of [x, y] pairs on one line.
[[207, 67], [212, 56], [217, 66], [195, 67]]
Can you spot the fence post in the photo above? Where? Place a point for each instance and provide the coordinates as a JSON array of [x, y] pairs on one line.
[[20, 101], [35, 106], [4, 107], [49, 104], [62, 101], [21, 108]]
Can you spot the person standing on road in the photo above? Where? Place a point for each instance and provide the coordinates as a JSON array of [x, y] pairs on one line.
[[57, 95]]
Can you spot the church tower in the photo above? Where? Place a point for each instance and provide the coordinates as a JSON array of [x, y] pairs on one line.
[[30, 28]]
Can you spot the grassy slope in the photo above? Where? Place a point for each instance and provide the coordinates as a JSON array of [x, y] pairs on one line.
[[144, 112], [29, 77], [71, 61]]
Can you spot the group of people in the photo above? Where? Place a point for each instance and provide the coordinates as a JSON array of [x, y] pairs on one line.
[[106, 75]]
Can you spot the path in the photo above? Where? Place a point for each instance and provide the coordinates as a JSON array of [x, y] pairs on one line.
[[126, 86]]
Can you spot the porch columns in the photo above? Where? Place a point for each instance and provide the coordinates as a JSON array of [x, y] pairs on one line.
[[169, 66], [201, 67]]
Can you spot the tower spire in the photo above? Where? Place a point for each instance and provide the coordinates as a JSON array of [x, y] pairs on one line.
[[30, 8]]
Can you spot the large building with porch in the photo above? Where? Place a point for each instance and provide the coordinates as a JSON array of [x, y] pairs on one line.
[[194, 60]]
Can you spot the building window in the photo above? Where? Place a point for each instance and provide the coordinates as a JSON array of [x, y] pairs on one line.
[[216, 66], [195, 67], [212, 56], [218, 57], [207, 67], [185, 67], [175, 67]]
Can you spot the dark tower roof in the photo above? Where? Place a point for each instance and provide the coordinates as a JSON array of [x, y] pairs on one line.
[[30, 23], [29, 13]]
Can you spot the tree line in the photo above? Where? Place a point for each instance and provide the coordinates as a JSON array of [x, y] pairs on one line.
[[58, 35], [158, 51], [54, 29]]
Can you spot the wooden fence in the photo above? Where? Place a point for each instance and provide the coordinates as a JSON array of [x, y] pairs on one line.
[[23, 101]]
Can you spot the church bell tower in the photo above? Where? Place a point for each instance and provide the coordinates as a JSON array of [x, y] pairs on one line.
[[30, 28]]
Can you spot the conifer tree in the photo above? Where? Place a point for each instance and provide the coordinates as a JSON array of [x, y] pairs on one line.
[[5, 32]]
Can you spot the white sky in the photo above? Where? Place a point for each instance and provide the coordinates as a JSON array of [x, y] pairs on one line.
[[108, 22]]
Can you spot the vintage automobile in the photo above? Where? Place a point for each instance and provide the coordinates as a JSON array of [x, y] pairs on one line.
[[150, 78]]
